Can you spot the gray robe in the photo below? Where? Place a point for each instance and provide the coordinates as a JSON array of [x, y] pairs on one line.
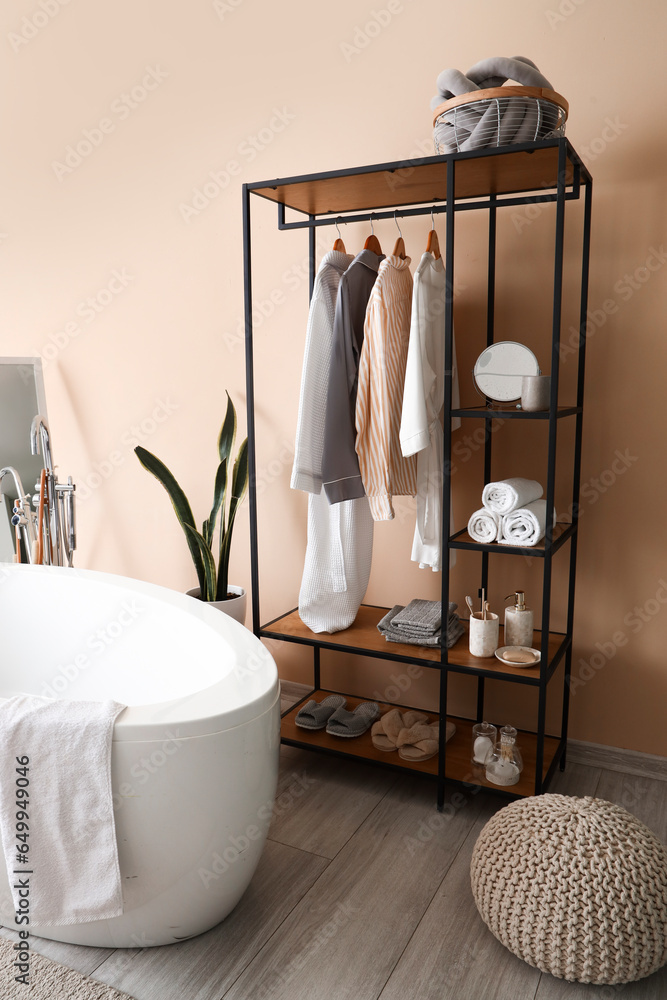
[[340, 466]]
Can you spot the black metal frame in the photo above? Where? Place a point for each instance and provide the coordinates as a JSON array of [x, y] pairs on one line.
[[492, 202]]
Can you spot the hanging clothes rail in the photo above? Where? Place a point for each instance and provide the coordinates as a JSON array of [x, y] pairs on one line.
[[407, 213]]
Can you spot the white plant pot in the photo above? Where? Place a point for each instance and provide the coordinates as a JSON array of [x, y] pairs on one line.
[[235, 607]]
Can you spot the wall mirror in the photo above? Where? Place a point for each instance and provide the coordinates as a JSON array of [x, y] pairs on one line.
[[21, 399], [499, 369]]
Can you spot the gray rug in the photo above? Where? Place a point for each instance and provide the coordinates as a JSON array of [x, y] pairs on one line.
[[48, 980]]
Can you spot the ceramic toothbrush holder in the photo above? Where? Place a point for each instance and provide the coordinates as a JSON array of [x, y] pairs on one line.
[[483, 634]]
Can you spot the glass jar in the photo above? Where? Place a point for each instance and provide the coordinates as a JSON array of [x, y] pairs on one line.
[[484, 736], [504, 763]]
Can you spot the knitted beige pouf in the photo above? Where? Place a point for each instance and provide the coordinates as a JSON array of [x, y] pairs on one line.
[[575, 887]]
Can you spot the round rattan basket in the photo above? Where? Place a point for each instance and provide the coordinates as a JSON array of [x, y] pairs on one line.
[[499, 116]]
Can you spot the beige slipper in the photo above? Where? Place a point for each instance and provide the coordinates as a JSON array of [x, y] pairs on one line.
[[385, 731], [421, 741]]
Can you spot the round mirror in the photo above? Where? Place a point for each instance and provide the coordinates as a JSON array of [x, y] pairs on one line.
[[499, 369]]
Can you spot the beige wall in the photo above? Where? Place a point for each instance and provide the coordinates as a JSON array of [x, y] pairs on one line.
[[247, 90]]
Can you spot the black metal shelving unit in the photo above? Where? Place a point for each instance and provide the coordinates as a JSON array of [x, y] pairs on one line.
[[483, 180]]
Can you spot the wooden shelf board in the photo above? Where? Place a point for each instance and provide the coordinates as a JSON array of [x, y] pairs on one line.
[[458, 764], [462, 538], [362, 636], [418, 181]]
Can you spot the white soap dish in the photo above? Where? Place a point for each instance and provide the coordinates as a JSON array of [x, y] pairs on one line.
[[523, 651]]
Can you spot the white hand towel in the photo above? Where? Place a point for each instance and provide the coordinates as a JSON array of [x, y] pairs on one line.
[[527, 525], [72, 854], [484, 526], [509, 494]]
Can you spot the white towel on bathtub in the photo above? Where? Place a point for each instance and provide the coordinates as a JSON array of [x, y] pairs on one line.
[[484, 526], [72, 857], [527, 525], [508, 494]]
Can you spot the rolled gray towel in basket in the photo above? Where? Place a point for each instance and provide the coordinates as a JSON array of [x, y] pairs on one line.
[[488, 73], [482, 124]]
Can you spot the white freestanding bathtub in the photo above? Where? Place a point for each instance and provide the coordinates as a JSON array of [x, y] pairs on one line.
[[194, 756]]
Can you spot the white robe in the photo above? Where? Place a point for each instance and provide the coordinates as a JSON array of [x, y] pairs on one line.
[[423, 398], [307, 469], [338, 562], [340, 536]]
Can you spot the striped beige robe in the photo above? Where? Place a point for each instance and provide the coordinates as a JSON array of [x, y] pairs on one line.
[[385, 472]]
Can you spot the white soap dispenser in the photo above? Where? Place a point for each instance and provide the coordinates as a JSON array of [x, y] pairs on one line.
[[518, 622]]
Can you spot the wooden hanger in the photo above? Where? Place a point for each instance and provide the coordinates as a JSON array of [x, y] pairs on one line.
[[399, 248], [399, 245], [372, 242], [338, 244], [432, 244]]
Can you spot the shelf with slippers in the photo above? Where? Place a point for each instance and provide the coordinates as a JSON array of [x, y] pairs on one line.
[[460, 766], [489, 181]]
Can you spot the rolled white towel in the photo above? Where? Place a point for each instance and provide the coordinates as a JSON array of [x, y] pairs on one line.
[[527, 525], [485, 526], [509, 494]]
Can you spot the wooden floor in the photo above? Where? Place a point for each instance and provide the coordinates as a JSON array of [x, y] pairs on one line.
[[363, 891]]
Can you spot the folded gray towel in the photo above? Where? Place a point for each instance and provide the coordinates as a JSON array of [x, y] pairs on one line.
[[452, 619], [390, 615], [386, 626], [453, 636], [422, 616]]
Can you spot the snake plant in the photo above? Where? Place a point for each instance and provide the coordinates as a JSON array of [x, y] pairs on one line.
[[212, 582]]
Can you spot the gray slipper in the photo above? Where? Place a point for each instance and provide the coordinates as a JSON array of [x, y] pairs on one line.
[[314, 715], [344, 723]]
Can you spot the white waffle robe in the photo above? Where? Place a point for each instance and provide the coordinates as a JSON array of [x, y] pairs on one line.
[[340, 536]]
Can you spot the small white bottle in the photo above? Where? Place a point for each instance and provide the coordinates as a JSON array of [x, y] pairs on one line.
[[518, 622]]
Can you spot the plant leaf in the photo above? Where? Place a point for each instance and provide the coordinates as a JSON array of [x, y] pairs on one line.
[[206, 593], [219, 491], [240, 474], [227, 432], [239, 488], [226, 440], [180, 504]]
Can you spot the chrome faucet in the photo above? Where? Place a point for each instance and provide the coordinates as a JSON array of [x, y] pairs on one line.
[[9, 470], [58, 527], [52, 540], [22, 516], [39, 432]]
